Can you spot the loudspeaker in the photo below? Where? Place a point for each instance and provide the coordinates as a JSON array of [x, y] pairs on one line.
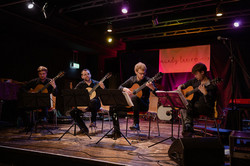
[[197, 151]]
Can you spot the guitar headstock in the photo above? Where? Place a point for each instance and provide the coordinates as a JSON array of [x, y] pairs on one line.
[[59, 75], [216, 80], [158, 76], [108, 75]]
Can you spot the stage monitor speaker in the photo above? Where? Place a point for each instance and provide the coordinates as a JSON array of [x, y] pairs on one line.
[[197, 152]]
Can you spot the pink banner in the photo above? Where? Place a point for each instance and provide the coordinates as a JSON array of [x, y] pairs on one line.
[[178, 60]]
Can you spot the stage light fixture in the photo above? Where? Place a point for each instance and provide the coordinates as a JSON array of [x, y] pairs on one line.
[[109, 27], [125, 7], [30, 5], [236, 24], [109, 39], [219, 11]]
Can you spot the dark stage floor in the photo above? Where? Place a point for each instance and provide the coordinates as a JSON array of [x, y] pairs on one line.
[[80, 147]]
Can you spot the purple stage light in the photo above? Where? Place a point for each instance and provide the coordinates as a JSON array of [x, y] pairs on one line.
[[124, 10], [236, 24]]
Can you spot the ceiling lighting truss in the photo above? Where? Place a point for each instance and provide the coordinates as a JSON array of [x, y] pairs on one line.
[[158, 11], [89, 5], [183, 21], [183, 32]]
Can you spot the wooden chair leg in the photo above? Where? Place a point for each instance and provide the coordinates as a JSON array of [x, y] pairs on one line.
[[102, 121], [149, 125], [157, 121], [126, 126], [217, 126], [179, 125], [205, 127]]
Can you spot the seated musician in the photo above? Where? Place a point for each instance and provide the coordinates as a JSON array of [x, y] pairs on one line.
[[203, 100], [140, 103], [88, 83], [36, 84]]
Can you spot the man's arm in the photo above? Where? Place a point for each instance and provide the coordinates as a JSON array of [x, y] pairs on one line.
[[126, 85]]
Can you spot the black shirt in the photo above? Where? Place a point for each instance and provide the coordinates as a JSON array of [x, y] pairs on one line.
[[83, 85], [34, 82], [202, 103], [145, 91]]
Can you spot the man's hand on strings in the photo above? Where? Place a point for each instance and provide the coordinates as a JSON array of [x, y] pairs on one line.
[[150, 85], [52, 83], [102, 85]]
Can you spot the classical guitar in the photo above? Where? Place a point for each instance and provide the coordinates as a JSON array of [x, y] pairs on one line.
[[189, 91], [40, 88], [136, 89], [92, 92]]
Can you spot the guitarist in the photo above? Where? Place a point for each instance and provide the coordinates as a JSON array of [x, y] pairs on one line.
[[203, 100], [41, 81], [140, 104], [94, 104]]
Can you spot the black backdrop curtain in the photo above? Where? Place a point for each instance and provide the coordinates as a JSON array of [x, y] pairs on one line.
[[220, 66]]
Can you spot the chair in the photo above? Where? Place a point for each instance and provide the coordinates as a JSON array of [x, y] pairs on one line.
[[199, 128], [207, 119], [52, 110], [150, 114]]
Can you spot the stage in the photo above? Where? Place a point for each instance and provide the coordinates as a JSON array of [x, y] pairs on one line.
[[45, 148]]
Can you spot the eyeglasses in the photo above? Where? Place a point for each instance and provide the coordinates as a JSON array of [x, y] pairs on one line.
[[142, 73]]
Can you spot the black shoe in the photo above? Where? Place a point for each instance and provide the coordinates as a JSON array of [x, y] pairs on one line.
[[188, 131], [189, 128], [135, 127], [114, 135], [43, 120]]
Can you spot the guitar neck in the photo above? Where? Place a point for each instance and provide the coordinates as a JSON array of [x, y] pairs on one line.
[[214, 81], [139, 89], [156, 77], [97, 85], [142, 86], [47, 85], [191, 92]]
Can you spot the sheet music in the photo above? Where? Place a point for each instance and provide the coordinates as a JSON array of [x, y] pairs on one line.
[[128, 99], [183, 99], [178, 99]]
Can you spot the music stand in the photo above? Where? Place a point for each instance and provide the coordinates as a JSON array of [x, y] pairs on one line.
[[114, 97], [74, 98], [34, 101], [173, 99]]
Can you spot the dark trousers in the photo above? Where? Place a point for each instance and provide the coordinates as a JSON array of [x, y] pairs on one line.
[[93, 107], [139, 105]]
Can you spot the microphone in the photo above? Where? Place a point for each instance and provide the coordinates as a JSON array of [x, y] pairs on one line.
[[222, 38]]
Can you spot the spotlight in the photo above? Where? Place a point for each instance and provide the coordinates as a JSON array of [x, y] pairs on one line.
[[236, 24], [30, 5], [109, 39], [109, 28], [219, 11], [124, 8]]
